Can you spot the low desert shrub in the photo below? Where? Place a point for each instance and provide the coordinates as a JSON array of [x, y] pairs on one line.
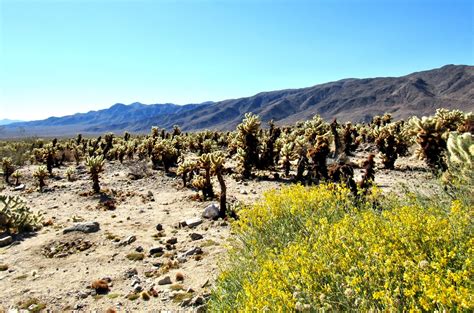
[[321, 248]]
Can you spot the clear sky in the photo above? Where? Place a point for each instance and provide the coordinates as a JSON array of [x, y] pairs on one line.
[[62, 57]]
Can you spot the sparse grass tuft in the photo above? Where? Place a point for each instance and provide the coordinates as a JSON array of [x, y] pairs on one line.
[[135, 256]]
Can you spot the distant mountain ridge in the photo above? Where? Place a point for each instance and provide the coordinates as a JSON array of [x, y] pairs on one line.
[[420, 93], [6, 121]]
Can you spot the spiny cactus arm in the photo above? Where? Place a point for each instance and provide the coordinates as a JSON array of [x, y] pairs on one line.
[[461, 149]]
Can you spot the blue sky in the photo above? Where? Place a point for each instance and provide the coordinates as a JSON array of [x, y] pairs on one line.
[[62, 57]]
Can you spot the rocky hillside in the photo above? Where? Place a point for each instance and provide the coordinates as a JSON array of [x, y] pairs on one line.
[[421, 93]]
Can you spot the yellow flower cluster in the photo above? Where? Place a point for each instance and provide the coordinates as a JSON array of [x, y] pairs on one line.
[[306, 249]]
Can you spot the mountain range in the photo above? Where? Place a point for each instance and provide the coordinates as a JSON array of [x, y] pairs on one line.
[[7, 121], [352, 99]]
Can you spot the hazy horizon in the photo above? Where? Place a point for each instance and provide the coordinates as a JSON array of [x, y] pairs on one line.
[[63, 57]]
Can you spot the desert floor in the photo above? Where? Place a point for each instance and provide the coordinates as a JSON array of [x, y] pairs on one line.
[[49, 268]]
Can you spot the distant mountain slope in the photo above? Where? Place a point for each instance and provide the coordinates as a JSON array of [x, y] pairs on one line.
[[420, 93], [7, 121]]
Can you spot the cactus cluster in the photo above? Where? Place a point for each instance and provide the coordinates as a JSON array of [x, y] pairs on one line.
[[15, 216], [460, 160], [7, 169], [391, 142], [248, 143], [432, 133], [40, 174], [300, 151]]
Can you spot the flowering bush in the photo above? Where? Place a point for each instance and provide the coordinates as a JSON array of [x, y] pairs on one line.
[[315, 248]]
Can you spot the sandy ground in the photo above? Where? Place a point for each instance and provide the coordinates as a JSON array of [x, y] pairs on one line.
[[62, 283]]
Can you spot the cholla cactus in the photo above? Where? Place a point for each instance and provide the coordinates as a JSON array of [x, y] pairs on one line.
[[48, 155], [70, 172], [337, 139], [40, 174], [155, 131], [76, 151], [121, 152], [109, 139], [248, 143], [17, 175], [208, 146], [300, 149], [342, 172], [450, 120], [164, 153], [131, 147], [379, 121], [217, 166], [391, 143], [432, 133], [185, 167], [315, 127], [7, 168], [268, 146], [318, 158], [205, 163], [16, 216], [126, 136], [199, 182], [369, 174], [286, 156], [95, 166], [349, 138], [176, 131], [468, 125], [460, 159], [430, 136]]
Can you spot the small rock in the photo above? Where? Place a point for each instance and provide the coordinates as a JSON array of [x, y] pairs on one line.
[[156, 250], [19, 187], [211, 211], [193, 222], [157, 264], [78, 306], [5, 241], [165, 281], [87, 227], [138, 288], [159, 227], [139, 249], [82, 295], [130, 239], [243, 192], [130, 272], [172, 241], [198, 300], [196, 236], [195, 250]]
